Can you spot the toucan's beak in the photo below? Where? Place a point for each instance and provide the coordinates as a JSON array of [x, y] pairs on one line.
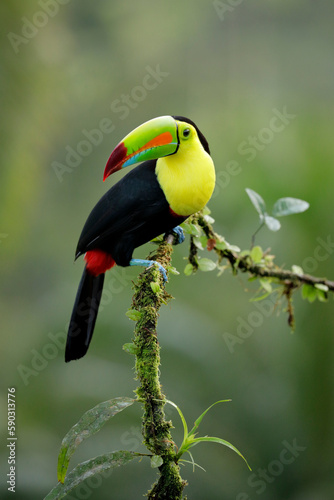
[[149, 141]]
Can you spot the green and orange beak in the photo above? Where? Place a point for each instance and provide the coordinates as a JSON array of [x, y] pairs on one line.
[[150, 141]]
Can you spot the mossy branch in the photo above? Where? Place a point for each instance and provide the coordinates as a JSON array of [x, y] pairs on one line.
[[244, 263], [150, 294], [258, 264]]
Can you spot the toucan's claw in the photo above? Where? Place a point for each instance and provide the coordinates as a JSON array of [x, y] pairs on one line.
[[148, 264], [178, 234], [178, 231], [161, 269]]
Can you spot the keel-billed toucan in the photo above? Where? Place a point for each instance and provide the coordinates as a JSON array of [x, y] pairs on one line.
[[176, 180]]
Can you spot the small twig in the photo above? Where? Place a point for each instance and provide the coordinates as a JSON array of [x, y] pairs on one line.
[[254, 234], [283, 276]]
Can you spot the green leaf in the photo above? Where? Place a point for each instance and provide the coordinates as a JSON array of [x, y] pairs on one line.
[[185, 227], [258, 202], [200, 418], [272, 223], [133, 314], [189, 439], [256, 254], [190, 228], [156, 461], [297, 269], [309, 292], [220, 441], [204, 240], [155, 287], [88, 469], [322, 296], [195, 230], [206, 211], [184, 423], [322, 290], [221, 269], [130, 348], [262, 297], [189, 269], [198, 243], [288, 206], [233, 248], [201, 242], [206, 264], [221, 245], [90, 423], [269, 260], [321, 286], [192, 462], [208, 219], [173, 270], [266, 285]]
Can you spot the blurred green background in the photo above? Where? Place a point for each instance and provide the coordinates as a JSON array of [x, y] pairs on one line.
[[230, 66]]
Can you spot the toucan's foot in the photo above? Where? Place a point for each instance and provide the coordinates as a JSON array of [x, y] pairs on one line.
[[148, 264], [178, 234]]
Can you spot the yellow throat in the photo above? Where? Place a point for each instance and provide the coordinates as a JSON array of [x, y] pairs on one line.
[[187, 177]]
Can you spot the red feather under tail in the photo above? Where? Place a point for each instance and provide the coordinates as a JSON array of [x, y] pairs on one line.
[[98, 262]]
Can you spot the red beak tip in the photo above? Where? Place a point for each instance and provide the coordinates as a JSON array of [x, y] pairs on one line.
[[105, 174], [115, 161]]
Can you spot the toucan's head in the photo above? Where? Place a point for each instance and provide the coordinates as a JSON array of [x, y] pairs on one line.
[[156, 138]]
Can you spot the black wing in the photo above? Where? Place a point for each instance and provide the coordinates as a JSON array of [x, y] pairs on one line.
[[132, 212]]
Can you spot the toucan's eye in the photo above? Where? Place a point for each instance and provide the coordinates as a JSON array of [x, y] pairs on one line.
[[186, 132]]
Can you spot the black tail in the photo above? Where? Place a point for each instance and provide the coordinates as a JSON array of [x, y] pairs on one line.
[[84, 315]]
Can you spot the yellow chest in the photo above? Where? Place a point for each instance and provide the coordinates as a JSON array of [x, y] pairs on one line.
[[187, 179]]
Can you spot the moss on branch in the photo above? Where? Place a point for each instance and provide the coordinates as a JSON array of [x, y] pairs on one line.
[[150, 294], [244, 263]]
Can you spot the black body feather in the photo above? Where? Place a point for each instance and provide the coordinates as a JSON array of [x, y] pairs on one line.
[[131, 213]]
